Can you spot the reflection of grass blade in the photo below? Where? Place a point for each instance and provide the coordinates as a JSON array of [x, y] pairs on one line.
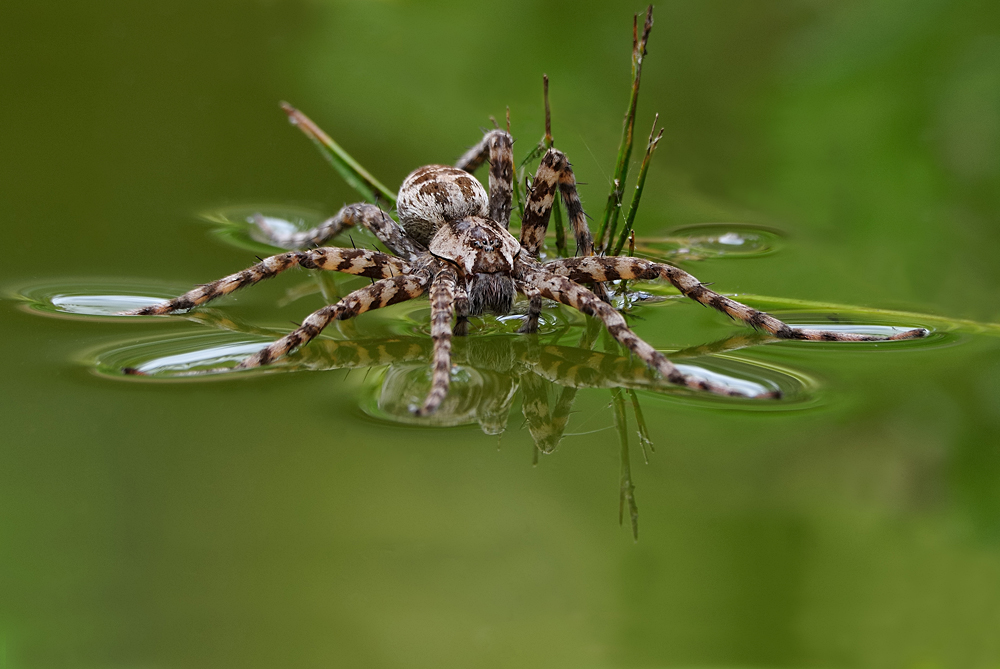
[[609, 222], [355, 175], [654, 139], [626, 495], [640, 421]]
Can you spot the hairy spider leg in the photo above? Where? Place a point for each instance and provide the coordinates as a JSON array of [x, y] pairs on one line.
[[461, 328], [530, 325], [568, 292], [498, 146], [622, 267], [442, 296], [350, 261], [379, 294], [554, 171], [388, 231]]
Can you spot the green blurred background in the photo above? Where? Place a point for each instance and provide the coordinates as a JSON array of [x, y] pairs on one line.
[[269, 522]]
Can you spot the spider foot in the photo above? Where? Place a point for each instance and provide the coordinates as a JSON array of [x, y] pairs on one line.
[[530, 326]]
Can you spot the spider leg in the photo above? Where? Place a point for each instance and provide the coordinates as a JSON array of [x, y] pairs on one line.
[[379, 294], [562, 289], [498, 146], [351, 261], [554, 171], [622, 267], [388, 231], [530, 325], [461, 328], [442, 295]]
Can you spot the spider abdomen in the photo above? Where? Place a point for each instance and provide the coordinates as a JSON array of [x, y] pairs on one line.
[[434, 194]]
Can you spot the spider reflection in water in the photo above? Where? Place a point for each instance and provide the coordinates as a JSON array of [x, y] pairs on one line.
[[492, 373]]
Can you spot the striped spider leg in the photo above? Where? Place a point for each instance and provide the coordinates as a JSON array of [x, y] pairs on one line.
[[391, 289], [442, 294], [554, 171], [372, 217], [564, 290], [362, 262], [497, 147], [623, 267], [534, 296], [380, 294]]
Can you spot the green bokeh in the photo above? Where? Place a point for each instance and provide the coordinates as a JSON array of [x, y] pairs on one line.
[[270, 522]]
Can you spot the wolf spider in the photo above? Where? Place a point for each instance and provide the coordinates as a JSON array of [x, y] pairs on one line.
[[452, 242]]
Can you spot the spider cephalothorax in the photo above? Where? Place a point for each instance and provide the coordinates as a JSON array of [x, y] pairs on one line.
[[453, 242], [483, 253]]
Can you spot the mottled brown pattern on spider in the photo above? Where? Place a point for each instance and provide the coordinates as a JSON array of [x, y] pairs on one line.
[[554, 171], [501, 175], [435, 194], [442, 296], [453, 239]]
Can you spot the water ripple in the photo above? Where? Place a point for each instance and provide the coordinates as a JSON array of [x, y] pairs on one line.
[[711, 240], [88, 299], [183, 358]]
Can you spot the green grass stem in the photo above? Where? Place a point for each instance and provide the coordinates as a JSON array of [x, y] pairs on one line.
[[351, 171], [654, 139], [612, 210]]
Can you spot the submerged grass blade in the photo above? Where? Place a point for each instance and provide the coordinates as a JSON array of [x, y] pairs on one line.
[[355, 175], [612, 210], [654, 139], [644, 440], [626, 493]]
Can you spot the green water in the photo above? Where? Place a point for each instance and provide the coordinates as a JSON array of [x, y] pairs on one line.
[[297, 518]]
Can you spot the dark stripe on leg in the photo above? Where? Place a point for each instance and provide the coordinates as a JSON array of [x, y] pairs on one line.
[[265, 269], [572, 294], [379, 294]]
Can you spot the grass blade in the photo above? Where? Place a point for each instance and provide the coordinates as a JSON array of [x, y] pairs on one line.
[[633, 208], [355, 175], [612, 210]]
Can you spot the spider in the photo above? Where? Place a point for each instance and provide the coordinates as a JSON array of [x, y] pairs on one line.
[[452, 242]]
